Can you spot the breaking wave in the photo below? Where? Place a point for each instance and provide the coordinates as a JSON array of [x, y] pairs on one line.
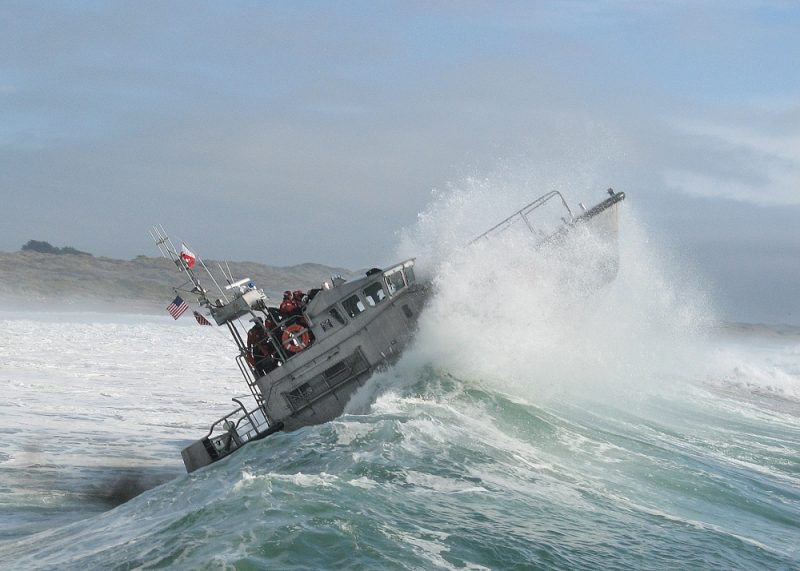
[[539, 322]]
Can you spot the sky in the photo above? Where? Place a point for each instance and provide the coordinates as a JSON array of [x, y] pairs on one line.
[[291, 132]]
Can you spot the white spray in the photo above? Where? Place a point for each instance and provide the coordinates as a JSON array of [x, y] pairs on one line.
[[538, 322]]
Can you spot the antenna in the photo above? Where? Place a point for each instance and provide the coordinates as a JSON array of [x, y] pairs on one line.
[[168, 250], [239, 300], [210, 275], [162, 242], [227, 275]]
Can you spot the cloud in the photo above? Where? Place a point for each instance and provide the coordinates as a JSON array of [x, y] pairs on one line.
[[757, 160], [313, 132]]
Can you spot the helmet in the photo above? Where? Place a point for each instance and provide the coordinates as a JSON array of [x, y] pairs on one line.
[[298, 294], [287, 293]]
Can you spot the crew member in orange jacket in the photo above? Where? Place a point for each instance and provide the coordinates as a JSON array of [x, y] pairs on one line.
[[289, 306]]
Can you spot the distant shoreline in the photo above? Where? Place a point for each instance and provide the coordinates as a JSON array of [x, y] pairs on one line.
[[33, 281]]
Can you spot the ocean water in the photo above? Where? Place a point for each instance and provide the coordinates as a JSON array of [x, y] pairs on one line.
[[542, 420]]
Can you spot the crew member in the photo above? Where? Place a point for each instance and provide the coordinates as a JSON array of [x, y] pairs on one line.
[[289, 307], [259, 349], [300, 298]]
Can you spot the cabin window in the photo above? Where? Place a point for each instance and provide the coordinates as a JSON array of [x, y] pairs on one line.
[[334, 318], [395, 281], [410, 278], [334, 313], [353, 306], [374, 294], [303, 392]]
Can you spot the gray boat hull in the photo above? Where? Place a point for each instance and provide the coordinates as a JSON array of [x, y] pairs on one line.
[[315, 386]]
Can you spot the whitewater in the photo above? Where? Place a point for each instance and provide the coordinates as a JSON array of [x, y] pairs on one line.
[[541, 420]]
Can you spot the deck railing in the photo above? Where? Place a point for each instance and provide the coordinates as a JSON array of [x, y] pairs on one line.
[[240, 425], [524, 214]]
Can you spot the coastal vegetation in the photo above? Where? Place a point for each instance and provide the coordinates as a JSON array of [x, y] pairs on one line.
[[47, 248]]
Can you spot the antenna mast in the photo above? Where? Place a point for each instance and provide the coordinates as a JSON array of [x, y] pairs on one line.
[[241, 297], [168, 250]]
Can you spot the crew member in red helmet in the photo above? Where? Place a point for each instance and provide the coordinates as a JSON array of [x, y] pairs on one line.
[[300, 298], [289, 307]]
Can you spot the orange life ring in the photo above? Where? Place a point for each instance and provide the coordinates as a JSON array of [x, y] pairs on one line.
[[293, 340]]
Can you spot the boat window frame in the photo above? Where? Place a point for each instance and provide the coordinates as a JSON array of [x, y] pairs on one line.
[[359, 300], [368, 297], [409, 268], [390, 287], [333, 312]]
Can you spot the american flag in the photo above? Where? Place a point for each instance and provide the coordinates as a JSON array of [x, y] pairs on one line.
[[200, 319], [177, 307]]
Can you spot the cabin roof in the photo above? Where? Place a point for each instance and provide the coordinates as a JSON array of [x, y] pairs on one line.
[[327, 297]]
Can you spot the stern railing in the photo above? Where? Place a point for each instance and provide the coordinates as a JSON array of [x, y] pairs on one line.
[[241, 425]]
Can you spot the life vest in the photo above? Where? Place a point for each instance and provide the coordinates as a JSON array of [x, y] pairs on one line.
[[258, 338], [289, 307], [295, 338]]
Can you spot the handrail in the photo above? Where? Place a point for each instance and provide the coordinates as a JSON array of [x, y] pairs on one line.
[[525, 210], [244, 414], [226, 417], [244, 368]]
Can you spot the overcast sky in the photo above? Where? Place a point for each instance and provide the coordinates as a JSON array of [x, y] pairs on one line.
[[320, 128]]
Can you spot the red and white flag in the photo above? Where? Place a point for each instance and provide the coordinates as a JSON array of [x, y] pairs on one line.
[[200, 319], [187, 256]]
